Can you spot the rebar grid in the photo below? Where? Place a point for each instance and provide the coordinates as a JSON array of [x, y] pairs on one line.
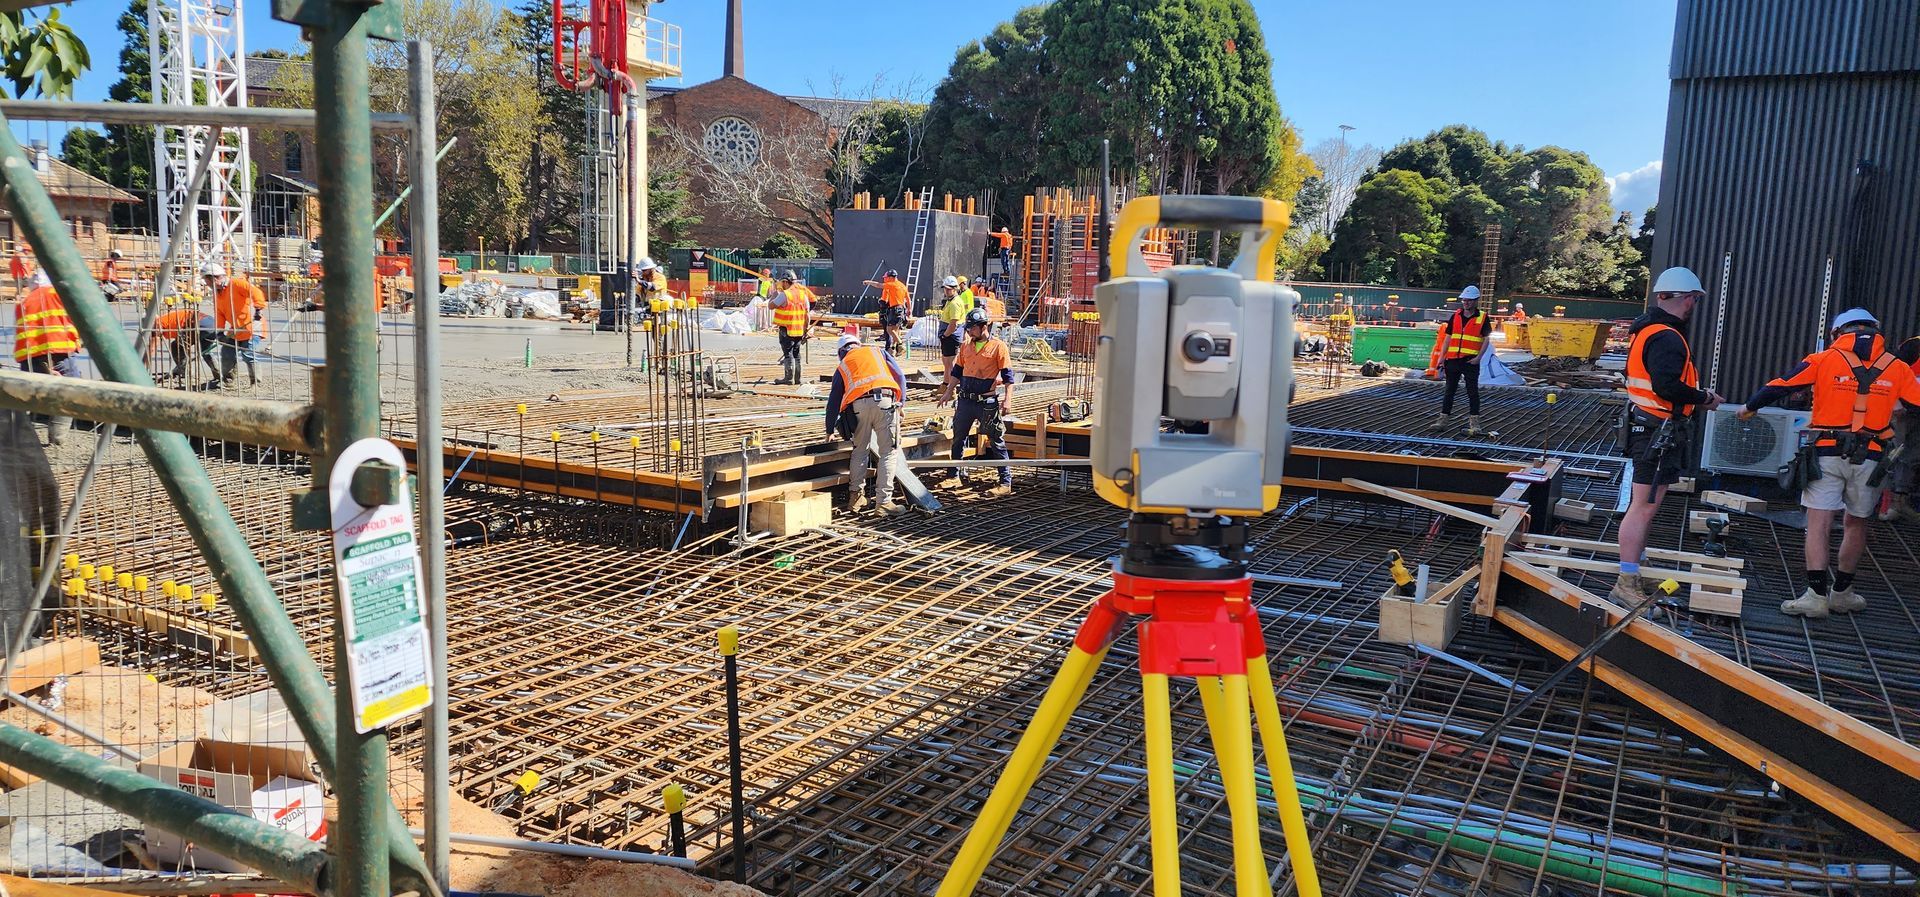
[[1581, 421]]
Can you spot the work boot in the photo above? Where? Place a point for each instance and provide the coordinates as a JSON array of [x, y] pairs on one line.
[[1845, 601], [856, 503], [253, 378], [891, 509], [1473, 426], [1628, 590], [950, 481], [1000, 491], [1443, 422], [1810, 604], [57, 429]]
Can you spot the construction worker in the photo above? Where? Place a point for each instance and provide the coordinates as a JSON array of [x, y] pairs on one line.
[[982, 374], [1005, 239], [183, 327], [20, 268], [893, 310], [1520, 312], [1663, 390], [790, 307], [239, 316], [864, 404], [45, 340], [110, 284], [763, 291], [953, 316], [1856, 383], [1903, 462], [1456, 351]]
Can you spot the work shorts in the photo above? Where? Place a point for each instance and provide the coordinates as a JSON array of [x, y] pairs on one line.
[[950, 345], [1843, 486], [893, 316], [1662, 471]]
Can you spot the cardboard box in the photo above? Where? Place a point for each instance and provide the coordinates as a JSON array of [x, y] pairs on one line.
[[269, 782], [792, 513]]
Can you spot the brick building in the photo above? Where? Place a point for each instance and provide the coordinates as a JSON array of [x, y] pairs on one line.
[[734, 122], [84, 202]]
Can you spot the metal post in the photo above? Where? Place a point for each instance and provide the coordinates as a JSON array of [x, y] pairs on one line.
[[636, 174], [675, 799], [729, 651], [425, 217], [205, 515], [1106, 203], [345, 143]]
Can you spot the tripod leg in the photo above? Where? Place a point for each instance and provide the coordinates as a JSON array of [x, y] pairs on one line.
[[1229, 723], [1164, 826], [1286, 793], [1056, 708]]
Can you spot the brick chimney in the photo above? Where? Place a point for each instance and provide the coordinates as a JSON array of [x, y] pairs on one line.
[[736, 62], [42, 162]]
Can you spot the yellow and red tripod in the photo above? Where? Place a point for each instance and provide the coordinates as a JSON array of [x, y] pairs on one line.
[[1207, 629]]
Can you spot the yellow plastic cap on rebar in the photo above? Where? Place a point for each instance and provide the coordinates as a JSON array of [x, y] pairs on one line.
[[86, 571], [1669, 586], [208, 600], [674, 797], [673, 444], [106, 572], [168, 587], [124, 580], [76, 586], [520, 408], [554, 436], [141, 584], [633, 441], [1553, 397], [527, 781], [70, 563], [729, 640]]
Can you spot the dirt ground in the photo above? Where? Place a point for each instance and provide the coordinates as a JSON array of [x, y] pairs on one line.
[[126, 707]]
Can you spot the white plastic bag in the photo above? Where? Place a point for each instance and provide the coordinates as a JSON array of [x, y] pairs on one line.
[[925, 332], [1493, 373]]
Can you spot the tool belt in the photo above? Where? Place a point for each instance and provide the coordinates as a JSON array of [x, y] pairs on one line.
[[1800, 470], [1853, 445], [883, 397], [1667, 434], [989, 398]]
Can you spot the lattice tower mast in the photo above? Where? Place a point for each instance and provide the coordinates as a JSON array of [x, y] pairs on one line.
[[198, 48]]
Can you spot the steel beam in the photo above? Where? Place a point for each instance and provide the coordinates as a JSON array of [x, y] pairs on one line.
[[258, 421], [157, 114]]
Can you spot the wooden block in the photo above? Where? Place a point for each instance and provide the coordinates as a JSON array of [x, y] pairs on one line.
[[1684, 485], [39, 666], [1573, 509], [1697, 520], [1432, 622], [1711, 600], [1734, 501], [792, 513]]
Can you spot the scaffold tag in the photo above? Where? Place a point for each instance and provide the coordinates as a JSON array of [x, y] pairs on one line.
[[377, 570]]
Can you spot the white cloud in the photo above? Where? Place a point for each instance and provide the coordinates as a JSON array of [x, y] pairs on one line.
[[1634, 191]]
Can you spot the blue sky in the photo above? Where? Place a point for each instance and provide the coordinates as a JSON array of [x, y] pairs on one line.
[[1584, 75]]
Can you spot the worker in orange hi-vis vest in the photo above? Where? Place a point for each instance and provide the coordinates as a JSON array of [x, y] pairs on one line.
[[191, 332], [1856, 383], [791, 307], [239, 314], [864, 405], [894, 303], [1456, 351], [45, 340], [1663, 389]]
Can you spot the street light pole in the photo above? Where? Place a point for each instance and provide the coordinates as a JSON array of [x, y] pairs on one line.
[[1344, 174]]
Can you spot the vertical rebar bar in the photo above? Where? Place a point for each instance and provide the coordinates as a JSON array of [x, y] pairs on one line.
[[729, 651], [425, 218]]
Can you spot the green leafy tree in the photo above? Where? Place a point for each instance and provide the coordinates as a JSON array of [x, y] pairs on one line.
[[787, 246], [984, 124], [1395, 219], [670, 215], [41, 56], [553, 160]]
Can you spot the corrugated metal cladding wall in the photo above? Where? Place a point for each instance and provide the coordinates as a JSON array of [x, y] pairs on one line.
[[1730, 38], [1762, 165]]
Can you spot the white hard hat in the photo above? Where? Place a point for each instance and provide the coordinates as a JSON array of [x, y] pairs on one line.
[[647, 262], [1471, 292], [951, 281], [1853, 316], [1677, 280], [40, 278], [847, 341], [1519, 305], [792, 275], [213, 269]]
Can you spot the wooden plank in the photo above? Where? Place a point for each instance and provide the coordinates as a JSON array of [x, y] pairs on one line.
[[1657, 554], [1573, 509], [1493, 546], [1734, 501], [1602, 565], [26, 887], [38, 666], [1421, 502], [1685, 485], [161, 621], [1697, 521], [1709, 600], [1432, 621], [1452, 498]]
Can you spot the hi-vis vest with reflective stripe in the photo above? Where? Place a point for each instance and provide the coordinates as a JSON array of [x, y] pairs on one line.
[[1850, 395], [41, 327], [792, 317], [1464, 345], [1640, 383], [864, 370]]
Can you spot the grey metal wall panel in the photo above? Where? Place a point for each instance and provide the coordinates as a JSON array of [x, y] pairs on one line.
[[1735, 38], [868, 239], [1762, 168]]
